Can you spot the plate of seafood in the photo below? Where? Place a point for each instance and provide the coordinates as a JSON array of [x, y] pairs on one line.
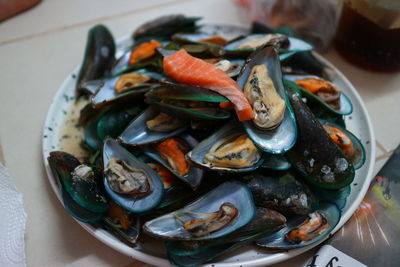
[[191, 144]]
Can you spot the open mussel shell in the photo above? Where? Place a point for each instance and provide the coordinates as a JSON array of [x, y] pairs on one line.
[[295, 45], [282, 192], [214, 251], [125, 225], [278, 240], [233, 192], [83, 190], [197, 155], [358, 155], [137, 132], [193, 253], [194, 176], [168, 95], [106, 93], [282, 138], [99, 56], [315, 156], [175, 192], [277, 162], [122, 63], [111, 150], [346, 107], [265, 221]]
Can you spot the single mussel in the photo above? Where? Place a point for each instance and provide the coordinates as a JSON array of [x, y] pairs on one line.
[[187, 101], [348, 143], [281, 192], [287, 46], [315, 156], [148, 128], [124, 86], [82, 196], [99, 56], [304, 230], [128, 181], [323, 93], [191, 253], [228, 149], [171, 153], [271, 113], [122, 223], [165, 26], [141, 55], [221, 211]]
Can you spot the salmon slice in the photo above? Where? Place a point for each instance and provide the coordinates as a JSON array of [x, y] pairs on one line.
[[193, 71]]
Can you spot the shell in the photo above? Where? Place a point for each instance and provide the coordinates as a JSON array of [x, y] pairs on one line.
[[236, 193], [281, 139], [346, 107], [315, 156], [278, 241], [199, 153], [106, 93], [146, 203], [137, 132]]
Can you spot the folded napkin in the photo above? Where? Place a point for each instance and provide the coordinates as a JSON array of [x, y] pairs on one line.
[[12, 222]]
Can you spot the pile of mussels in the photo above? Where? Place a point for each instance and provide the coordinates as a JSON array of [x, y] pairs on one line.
[[173, 162]]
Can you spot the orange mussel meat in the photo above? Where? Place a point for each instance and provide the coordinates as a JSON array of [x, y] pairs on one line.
[[324, 90], [143, 51], [167, 176], [173, 151], [341, 139]]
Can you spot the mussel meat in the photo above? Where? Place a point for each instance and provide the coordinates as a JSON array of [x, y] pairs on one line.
[[268, 106], [143, 51], [324, 90], [167, 177], [173, 151], [278, 40], [313, 226], [235, 151], [210, 222], [129, 81], [341, 139], [164, 123], [125, 179]]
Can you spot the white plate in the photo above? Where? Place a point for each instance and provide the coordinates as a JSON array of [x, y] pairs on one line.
[[153, 252]]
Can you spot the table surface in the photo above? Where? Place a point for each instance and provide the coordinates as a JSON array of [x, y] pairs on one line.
[[40, 47]]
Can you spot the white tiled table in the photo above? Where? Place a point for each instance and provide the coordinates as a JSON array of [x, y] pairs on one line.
[[39, 48]]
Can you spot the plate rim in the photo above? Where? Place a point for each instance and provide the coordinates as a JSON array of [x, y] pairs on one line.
[[110, 241]]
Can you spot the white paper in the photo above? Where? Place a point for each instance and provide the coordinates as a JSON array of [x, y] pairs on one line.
[[12, 222], [328, 256]]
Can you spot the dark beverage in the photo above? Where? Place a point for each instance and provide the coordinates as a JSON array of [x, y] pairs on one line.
[[367, 41]]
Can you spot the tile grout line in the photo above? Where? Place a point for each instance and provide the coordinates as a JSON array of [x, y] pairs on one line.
[[2, 162], [72, 26], [384, 155], [381, 147]]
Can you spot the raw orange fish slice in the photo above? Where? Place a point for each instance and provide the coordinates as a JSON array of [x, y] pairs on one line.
[[193, 71]]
